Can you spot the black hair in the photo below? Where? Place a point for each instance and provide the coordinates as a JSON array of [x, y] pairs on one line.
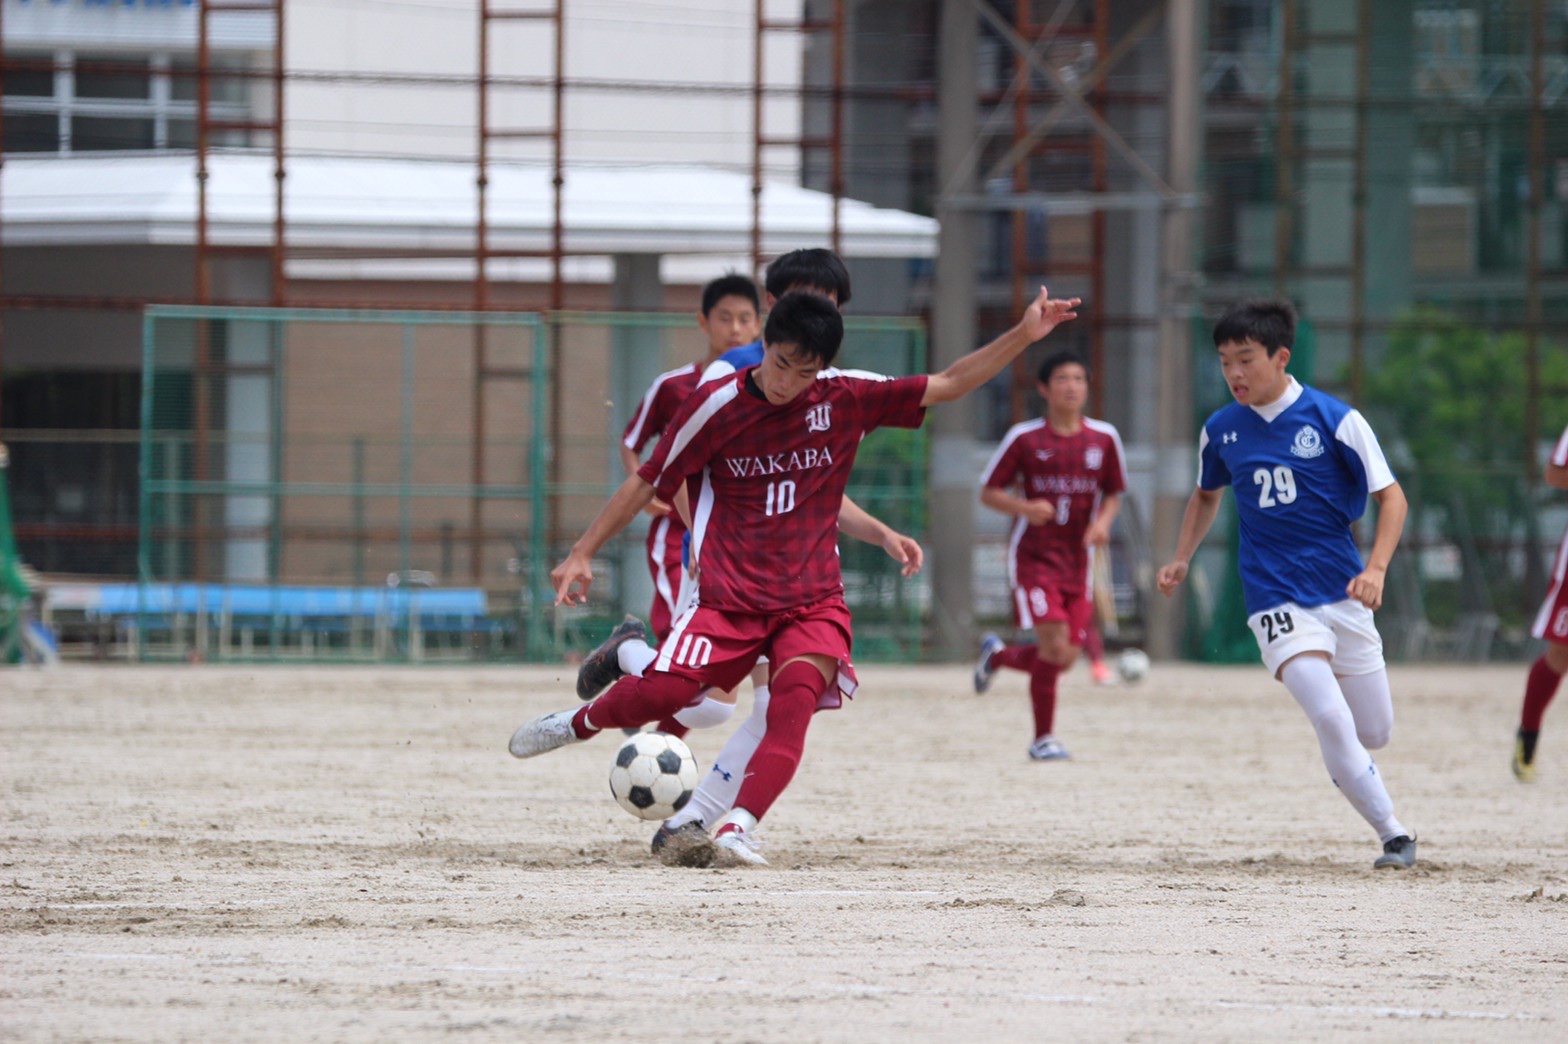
[[731, 285], [1269, 321], [817, 269], [1056, 360], [808, 321]]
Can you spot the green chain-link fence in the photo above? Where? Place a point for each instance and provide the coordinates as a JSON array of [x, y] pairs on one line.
[[390, 486]]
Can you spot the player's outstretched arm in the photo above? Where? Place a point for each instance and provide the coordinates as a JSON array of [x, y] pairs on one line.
[[576, 569], [1042, 316], [656, 507], [857, 522], [1367, 586], [1557, 476], [1202, 506]]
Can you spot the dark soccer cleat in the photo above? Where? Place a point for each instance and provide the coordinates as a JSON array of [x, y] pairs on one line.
[[990, 645], [1399, 853], [601, 668], [1524, 756], [686, 845]]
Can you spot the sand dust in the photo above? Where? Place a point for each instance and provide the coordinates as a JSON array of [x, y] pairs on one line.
[[349, 854]]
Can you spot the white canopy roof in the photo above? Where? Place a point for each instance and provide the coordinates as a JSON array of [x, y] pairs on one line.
[[382, 205]]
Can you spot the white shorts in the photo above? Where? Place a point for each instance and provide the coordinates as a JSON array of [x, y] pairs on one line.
[[1344, 630]]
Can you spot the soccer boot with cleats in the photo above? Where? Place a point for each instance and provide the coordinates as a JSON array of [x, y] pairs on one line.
[[1048, 748], [685, 845], [735, 842], [602, 667], [1524, 756], [1399, 853], [990, 645], [543, 734]]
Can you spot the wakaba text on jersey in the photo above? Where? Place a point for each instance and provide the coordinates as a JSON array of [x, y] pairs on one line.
[[779, 463], [1068, 484]]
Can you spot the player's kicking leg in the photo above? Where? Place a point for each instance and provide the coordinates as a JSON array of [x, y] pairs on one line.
[[682, 840]]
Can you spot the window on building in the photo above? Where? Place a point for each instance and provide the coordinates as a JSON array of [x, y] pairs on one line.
[[92, 102]]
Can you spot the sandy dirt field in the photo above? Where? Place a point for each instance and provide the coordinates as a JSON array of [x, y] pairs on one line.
[[208, 854]]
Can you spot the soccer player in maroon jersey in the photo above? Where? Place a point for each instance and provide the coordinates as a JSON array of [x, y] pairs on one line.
[[729, 318], [1070, 473], [1551, 623], [775, 444]]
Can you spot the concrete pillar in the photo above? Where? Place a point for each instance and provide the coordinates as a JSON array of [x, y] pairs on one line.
[[636, 358], [953, 442], [247, 450], [1175, 470]]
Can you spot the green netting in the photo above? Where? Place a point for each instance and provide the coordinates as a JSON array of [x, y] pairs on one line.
[[342, 485]]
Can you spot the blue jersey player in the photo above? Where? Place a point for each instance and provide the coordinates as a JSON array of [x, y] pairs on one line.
[[1302, 465]]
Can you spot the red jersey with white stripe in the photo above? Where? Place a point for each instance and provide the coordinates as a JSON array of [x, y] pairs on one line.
[[1072, 471], [1551, 622], [765, 522], [664, 398]]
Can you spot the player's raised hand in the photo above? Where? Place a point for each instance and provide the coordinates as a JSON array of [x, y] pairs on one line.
[[1045, 313], [1367, 587], [575, 570], [904, 550], [1170, 575]]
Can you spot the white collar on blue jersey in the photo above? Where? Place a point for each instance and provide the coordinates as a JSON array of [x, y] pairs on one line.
[[1281, 404]]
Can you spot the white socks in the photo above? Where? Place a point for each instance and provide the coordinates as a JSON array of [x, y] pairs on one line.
[[1372, 705], [634, 655], [1311, 681], [705, 715], [719, 788]]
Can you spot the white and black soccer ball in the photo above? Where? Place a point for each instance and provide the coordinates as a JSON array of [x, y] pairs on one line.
[[1132, 664], [653, 775]]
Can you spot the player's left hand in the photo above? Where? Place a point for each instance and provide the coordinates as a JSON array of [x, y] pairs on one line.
[[904, 550], [574, 570], [1045, 313], [1097, 535], [1367, 587]]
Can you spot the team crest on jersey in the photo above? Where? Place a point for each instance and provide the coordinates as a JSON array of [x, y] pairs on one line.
[[1308, 443], [819, 417], [1093, 457]]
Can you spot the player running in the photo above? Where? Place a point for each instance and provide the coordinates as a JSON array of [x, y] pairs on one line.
[[1069, 473], [774, 445], [1302, 465], [1551, 624]]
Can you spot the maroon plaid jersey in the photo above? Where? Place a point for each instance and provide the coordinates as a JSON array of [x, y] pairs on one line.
[[664, 397], [765, 522], [1072, 471]]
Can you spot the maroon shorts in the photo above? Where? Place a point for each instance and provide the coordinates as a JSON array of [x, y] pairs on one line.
[[1551, 623], [719, 648], [1039, 599], [664, 562]]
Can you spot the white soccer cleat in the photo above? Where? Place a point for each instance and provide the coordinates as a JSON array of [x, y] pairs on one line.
[[1048, 748], [543, 734], [990, 645], [735, 843]]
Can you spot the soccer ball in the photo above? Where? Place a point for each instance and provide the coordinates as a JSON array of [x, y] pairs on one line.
[[653, 775], [1132, 664]]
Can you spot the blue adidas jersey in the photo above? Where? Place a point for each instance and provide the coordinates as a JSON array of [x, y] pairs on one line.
[[733, 361], [1301, 468]]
